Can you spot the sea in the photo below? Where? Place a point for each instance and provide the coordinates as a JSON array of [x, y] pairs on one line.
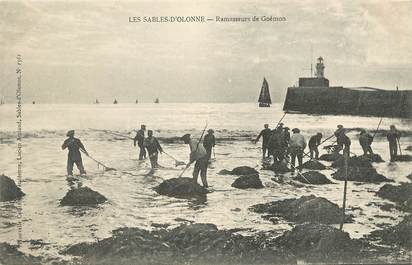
[[42, 227]]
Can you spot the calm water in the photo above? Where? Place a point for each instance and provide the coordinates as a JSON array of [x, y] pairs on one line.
[[132, 202]]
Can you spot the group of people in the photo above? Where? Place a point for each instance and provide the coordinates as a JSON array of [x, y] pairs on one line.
[[278, 143], [281, 145]]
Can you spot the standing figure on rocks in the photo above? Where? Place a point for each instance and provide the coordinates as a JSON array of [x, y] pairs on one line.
[[296, 147], [198, 155], [153, 148], [265, 134], [365, 140], [276, 145], [74, 157], [393, 137], [209, 142], [342, 140], [139, 138], [286, 141], [314, 142]]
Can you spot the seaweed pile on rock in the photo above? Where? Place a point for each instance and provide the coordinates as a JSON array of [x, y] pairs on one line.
[[401, 194], [186, 244], [319, 242], [330, 157], [305, 209], [359, 169], [9, 254], [9, 190], [312, 165], [240, 171], [400, 234], [278, 167], [312, 177], [180, 188], [83, 196], [248, 182]]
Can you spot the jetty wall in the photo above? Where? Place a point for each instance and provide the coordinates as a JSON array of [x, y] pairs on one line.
[[349, 101]]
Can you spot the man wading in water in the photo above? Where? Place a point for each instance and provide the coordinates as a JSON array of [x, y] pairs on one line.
[[209, 142], [139, 138], [265, 134], [153, 148], [74, 157], [198, 154]]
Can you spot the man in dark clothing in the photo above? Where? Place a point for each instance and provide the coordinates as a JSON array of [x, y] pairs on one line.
[[393, 137], [74, 157], [139, 138], [265, 134], [340, 134], [209, 142], [153, 148], [314, 142], [365, 140], [276, 145]]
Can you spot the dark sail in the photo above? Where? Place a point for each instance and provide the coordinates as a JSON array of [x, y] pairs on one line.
[[264, 97]]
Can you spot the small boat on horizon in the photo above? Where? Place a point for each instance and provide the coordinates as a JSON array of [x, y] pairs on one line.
[[97, 101], [115, 101], [156, 100], [264, 97]]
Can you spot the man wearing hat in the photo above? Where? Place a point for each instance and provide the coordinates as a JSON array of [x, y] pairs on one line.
[[139, 138], [365, 141], [209, 142], [297, 145], [265, 134], [74, 146], [393, 137], [314, 142], [153, 148], [198, 155]]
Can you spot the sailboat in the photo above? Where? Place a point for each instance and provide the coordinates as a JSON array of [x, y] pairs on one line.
[[264, 97], [115, 101], [157, 100]]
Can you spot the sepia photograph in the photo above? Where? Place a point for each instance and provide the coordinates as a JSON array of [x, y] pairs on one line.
[[205, 132]]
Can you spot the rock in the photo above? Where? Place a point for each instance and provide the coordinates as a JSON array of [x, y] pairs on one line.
[[408, 148], [248, 182], [82, 196], [305, 209], [312, 177], [279, 167], [240, 171], [313, 165], [403, 158], [360, 174], [180, 188], [354, 161], [9, 190], [401, 194], [409, 177], [185, 244], [319, 242], [330, 157], [400, 234], [9, 254]]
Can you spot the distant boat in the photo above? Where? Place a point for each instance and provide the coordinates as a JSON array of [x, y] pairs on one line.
[[2, 101], [97, 101], [137, 101], [157, 100], [264, 97], [34, 102], [115, 101]]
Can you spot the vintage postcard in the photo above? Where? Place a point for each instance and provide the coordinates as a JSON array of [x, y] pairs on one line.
[[206, 132]]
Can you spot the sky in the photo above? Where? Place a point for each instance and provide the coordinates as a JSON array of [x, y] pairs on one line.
[[77, 51]]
